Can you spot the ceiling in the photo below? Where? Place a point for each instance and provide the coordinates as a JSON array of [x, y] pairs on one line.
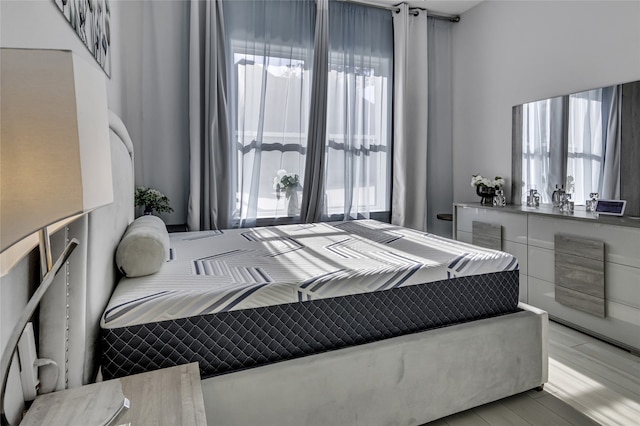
[[446, 7]]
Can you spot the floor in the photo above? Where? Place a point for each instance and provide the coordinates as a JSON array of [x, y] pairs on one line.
[[590, 383]]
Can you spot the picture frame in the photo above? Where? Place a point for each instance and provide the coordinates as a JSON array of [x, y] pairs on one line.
[[611, 207], [91, 20]]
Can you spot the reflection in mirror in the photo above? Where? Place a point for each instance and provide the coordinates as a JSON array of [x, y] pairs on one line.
[[588, 142], [572, 142]]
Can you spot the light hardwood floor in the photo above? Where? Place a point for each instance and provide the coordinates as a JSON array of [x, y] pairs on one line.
[[590, 383]]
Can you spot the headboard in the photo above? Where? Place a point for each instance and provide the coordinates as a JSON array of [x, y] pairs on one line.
[[70, 313]]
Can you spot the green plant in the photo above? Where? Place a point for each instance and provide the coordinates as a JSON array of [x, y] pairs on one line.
[[152, 200]]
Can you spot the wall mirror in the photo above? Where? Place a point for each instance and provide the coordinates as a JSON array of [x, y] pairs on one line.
[[583, 142]]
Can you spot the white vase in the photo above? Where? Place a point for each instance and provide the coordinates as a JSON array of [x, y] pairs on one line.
[[291, 197]]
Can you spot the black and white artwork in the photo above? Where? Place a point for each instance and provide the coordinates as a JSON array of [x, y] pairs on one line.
[[91, 20]]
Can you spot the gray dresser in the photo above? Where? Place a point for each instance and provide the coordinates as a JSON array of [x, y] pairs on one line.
[[583, 270]]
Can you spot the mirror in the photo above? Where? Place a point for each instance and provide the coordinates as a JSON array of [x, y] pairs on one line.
[[583, 142]]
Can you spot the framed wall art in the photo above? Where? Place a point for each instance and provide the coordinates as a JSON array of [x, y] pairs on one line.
[[91, 20]]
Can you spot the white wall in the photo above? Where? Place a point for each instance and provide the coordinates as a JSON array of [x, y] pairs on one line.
[[510, 52], [162, 149], [40, 24]]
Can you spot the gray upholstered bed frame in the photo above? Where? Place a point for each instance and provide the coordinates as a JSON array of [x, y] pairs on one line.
[[406, 380]]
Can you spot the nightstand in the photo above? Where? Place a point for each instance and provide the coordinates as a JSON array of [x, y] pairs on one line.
[[171, 396]]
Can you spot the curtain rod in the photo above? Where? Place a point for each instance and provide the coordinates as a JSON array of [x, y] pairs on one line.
[[450, 18]]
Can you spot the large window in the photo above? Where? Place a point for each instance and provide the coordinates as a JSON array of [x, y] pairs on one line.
[[270, 54]]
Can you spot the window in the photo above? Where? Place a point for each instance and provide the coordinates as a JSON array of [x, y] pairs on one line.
[[358, 153], [271, 129], [271, 47]]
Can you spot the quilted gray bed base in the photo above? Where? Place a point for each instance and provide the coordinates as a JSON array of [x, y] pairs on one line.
[[405, 380]]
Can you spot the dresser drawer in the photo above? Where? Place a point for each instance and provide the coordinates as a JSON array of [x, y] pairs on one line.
[[622, 244], [621, 282], [620, 325], [514, 225]]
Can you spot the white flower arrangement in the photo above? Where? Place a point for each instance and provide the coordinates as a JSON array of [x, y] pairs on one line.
[[284, 181], [478, 180]]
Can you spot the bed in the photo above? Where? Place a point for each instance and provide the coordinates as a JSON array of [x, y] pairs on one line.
[[354, 323], [242, 298]]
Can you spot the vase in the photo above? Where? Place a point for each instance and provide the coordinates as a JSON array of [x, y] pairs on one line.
[[148, 210], [486, 193], [291, 197], [499, 200]]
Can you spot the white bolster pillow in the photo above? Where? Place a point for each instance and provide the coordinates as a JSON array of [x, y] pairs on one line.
[[144, 247]]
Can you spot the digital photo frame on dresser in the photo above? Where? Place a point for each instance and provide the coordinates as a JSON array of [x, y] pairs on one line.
[[611, 207]]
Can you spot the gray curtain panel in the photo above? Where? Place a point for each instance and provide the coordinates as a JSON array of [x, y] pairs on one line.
[[610, 183], [409, 196], [556, 145], [210, 198], [313, 191]]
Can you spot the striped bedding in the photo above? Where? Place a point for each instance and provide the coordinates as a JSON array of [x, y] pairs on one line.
[[225, 271]]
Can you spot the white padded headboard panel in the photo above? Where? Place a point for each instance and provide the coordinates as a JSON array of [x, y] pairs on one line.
[[69, 318], [106, 227]]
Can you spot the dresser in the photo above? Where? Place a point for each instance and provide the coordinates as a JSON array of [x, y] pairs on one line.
[[582, 269]]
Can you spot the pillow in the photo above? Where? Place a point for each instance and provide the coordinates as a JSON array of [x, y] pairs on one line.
[[144, 247]]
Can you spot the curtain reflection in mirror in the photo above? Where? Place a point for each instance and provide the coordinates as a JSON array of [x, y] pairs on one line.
[[544, 161], [593, 163], [573, 142]]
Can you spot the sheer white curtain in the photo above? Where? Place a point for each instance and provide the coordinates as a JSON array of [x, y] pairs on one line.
[[585, 147], [409, 193], [358, 151], [535, 147], [544, 150], [269, 66], [594, 144]]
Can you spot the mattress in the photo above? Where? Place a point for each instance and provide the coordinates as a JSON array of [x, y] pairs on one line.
[[240, 298]]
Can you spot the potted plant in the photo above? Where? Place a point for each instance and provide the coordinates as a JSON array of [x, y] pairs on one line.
[[152, 200]]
